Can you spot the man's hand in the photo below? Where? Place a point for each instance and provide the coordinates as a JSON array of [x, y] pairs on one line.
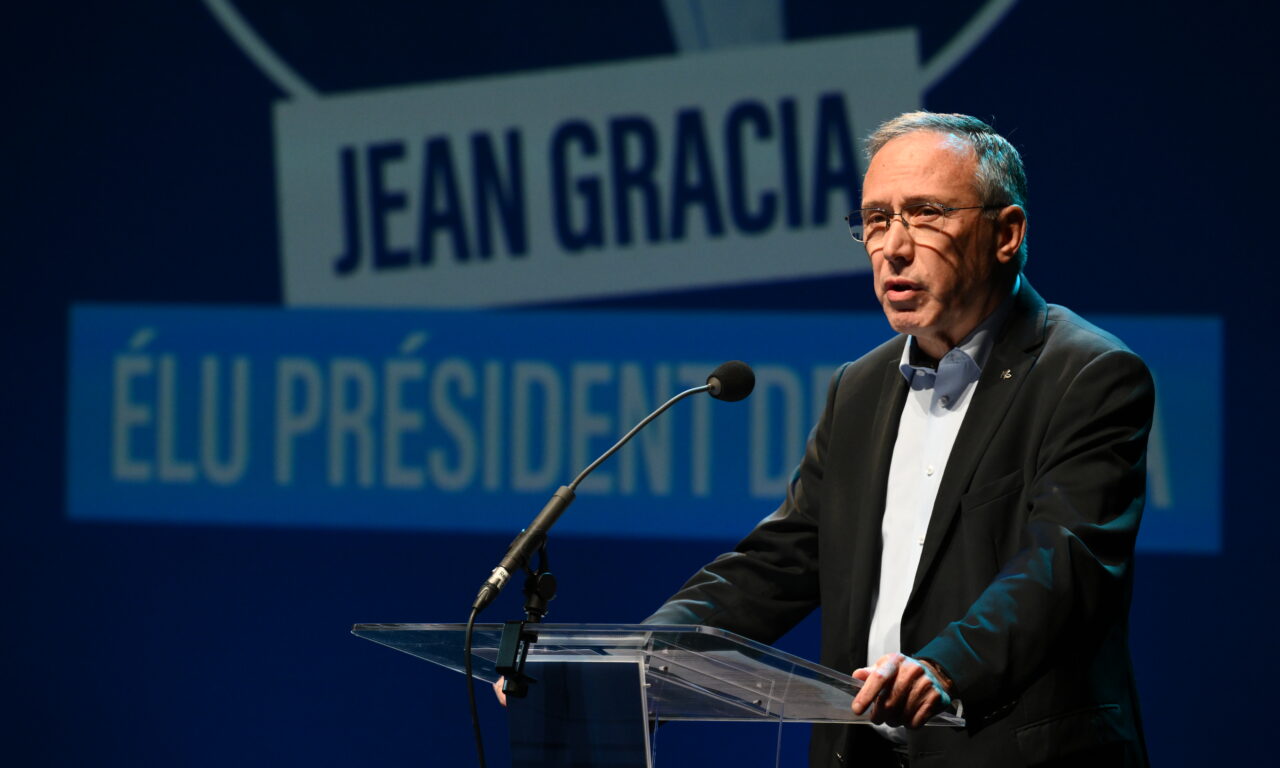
[[900, 690], [497, 691]]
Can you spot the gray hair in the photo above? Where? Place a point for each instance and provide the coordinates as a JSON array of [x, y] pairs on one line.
[[1000, 178]]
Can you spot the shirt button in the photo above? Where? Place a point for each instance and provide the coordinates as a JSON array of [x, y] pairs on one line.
[[920, 541], [929, 470]]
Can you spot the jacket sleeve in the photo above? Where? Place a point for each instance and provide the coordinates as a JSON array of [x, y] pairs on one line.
[[769, 582], [1067, 585]]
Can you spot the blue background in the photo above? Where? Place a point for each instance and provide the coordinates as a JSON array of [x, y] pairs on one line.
[[139, 168], [746, 448]]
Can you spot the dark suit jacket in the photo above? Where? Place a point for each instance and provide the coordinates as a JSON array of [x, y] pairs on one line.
[[1023, 588]]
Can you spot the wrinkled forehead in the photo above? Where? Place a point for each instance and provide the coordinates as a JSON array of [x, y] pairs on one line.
[[921, 165], [940, 136]]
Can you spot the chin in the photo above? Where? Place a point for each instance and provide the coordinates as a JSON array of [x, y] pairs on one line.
[[905, 322], [910, 329]]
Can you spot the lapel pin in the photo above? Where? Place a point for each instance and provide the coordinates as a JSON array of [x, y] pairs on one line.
[[1006, 374]]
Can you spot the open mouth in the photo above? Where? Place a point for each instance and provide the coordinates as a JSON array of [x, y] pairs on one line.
[[900, 290]]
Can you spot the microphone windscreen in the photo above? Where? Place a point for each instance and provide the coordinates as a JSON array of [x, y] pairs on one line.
[[732, 381]]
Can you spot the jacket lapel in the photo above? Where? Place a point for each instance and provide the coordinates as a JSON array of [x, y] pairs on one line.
[[1011, 360]]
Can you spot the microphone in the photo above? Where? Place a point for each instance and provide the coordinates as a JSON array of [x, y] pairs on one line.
[[731, 381]]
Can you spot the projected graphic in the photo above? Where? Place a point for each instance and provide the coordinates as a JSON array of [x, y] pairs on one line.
[[445, 420]]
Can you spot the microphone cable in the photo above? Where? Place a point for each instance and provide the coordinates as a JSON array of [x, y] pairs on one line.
[[471, 685]]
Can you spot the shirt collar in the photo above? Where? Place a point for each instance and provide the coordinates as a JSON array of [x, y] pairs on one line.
[[972, 351]]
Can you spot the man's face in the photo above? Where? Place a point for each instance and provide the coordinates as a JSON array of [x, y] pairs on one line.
[[938, 284]]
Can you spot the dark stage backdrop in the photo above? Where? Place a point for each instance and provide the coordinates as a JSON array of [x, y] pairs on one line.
[[312, 305]]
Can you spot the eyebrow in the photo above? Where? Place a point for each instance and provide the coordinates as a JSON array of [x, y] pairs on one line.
[[913, 200]]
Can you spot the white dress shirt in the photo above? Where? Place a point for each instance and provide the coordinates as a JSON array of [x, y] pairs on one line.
[[931, 419]]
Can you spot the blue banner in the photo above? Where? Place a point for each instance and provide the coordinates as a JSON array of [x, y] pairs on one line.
[[454, 421]]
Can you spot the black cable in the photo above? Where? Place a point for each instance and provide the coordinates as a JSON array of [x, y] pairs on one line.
[[471, 686]]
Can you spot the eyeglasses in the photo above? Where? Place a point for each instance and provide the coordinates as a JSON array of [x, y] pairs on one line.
[[867, 225]]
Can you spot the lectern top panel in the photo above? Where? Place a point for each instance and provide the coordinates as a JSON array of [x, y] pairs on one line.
[[689, 672]]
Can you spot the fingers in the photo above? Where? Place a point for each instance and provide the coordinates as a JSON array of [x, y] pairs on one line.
[[897, 701], [876, 679], [897, 691], [923, 703], [930, 707], [497, 691], [870, 689]]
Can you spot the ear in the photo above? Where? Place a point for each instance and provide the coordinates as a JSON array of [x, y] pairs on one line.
[[1011, 228]]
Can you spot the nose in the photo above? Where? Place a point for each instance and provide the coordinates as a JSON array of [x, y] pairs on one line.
[[897, 245]]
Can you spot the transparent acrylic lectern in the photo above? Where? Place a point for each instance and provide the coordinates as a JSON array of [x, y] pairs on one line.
[[602, 687]]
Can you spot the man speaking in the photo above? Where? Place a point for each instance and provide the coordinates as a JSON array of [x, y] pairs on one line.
[[966, 508]]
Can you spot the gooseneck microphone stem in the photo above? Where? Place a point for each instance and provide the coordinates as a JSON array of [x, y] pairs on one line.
[[531, 538], [627, 437], [730, 382]]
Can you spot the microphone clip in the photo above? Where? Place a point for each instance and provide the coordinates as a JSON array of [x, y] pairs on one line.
[[518, 636]]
